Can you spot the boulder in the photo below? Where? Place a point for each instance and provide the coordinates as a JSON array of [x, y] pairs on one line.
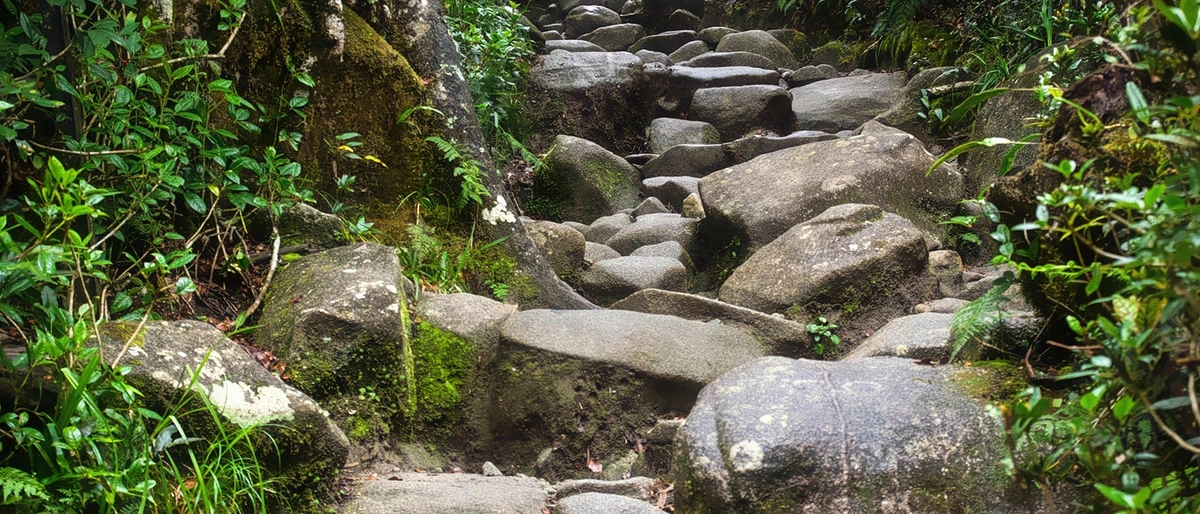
[[907, 113], [654, 229], [762, 198], [722, 59], [664, 42], [577, 226], [586, 18], [682, 19], [423, 493], [942, 305], [474, 318], [833, 437], [610, 280], [585, 180], [639, 488], [598, 503], [713, 35], [846, 102], [583, 71], [563, 246], [567, 6], [631, 7], [749, 147], [761, 43], [674, 350], [690, 160], [304, 224], [334, 314], [615, 38], [596, 252], [650, 205], [848, 254], [809, 74], [605, 227], [572, 45], [795, 41], [837, 54], [650, 56], [552, 35], [686, 79], [671, 190], [170, 358], [690, 50], [947, 267], [736, 111], [693, 207], [668, 249], [778, 335], [920, 336], [665, 133]]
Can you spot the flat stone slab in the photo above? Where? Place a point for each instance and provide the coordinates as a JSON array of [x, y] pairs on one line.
[[664, 347], [846, 102], [598, 503], [420, 493], [920, 336], [579, 71], [688, 78]]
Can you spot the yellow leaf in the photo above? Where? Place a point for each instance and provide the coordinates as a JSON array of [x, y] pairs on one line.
[[345, 148], [374, 159]]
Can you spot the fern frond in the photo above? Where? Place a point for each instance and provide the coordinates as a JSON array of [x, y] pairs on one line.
[[897, 14], [976, 321], [449, 150], [17, 486]]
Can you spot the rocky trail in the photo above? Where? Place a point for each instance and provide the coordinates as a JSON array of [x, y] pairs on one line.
[[770, 202]]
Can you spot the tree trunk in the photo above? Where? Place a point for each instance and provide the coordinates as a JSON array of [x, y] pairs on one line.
[[417, 28]]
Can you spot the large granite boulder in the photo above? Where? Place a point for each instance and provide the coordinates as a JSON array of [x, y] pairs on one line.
[[615, 38], [778, 335], [845, 103], [582, 71], [664, 42], [612, 279], [168, 360], [599, 503], [760, 199], [870, 435], [722, 59], [688, 51], [607, 226], [850, 253], [665, 133], [735, 111], [685, 80], [563, 246], [713, 35], [653, 229], [572, 45], [920, 336], [585, 181], [586, 18], [749, 147], [474, 318], [762, 43], [907, 113], [671, 190], [687, 160], [809, 74]]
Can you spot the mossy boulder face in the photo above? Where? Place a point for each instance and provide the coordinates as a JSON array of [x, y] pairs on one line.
[[583, 181], [170, 361], [870, 435], [919, 45], [907, 111]]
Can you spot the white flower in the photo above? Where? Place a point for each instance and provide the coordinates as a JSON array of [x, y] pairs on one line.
[[499, 212]]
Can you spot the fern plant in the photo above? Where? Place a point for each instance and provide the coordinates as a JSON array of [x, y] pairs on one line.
[[975, 323], [466, 169], [17, 486]]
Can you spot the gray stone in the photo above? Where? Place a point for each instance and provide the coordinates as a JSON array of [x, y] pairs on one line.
[[713, 35], [328, 312], [693, 207], [749, 147], [562, 245], [907, 113], [795, 41], [847, 253], [678, 351], [665, 42], [631, 7], [586, 18], [721, 59], [567, 6], [858, 72], [304, 224], [947, 267], [584, 71], [736, 111], [665, 133], [689, 79], [650, 205], [1008, 115], [836, 437], [689, 51], [943, 306], [654, 229], [555, 27], [590, 181], [845, 103], [597, 503], [615, 38], [761, 43], [809, 74], [780, 336], [422, 493], [668, 249], [168, 355], [605, 227], [650, 56], [687, 160], [671, 190], [596, 252], [640, 159], [682, 19], [920, 336], [639, 488], [490, 470], [579, 227], [552, 35], [762, 198], [572, 45], [474, 318], [613, 279]]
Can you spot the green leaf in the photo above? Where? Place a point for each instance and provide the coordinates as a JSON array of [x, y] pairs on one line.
[[1117, 496], [1123, 407], [184, 286], [1171, 403], [971, 102], [194, 202], [968, 146], [1137, 102]]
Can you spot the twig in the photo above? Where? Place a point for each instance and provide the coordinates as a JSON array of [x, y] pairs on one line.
[[218, 55], [1192, 395], [133, 336], [88, 154], [262, 257], [128, 216], [1074, 347], [270, 274], [1163, 426], [61, 53]]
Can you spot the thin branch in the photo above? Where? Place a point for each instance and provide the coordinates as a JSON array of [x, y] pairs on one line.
[[128, 215], [1074, 347], [88, 154], [1192, 395], [61, 53], [1170, 433], [132, 337], [270, 273], [218, 55]]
